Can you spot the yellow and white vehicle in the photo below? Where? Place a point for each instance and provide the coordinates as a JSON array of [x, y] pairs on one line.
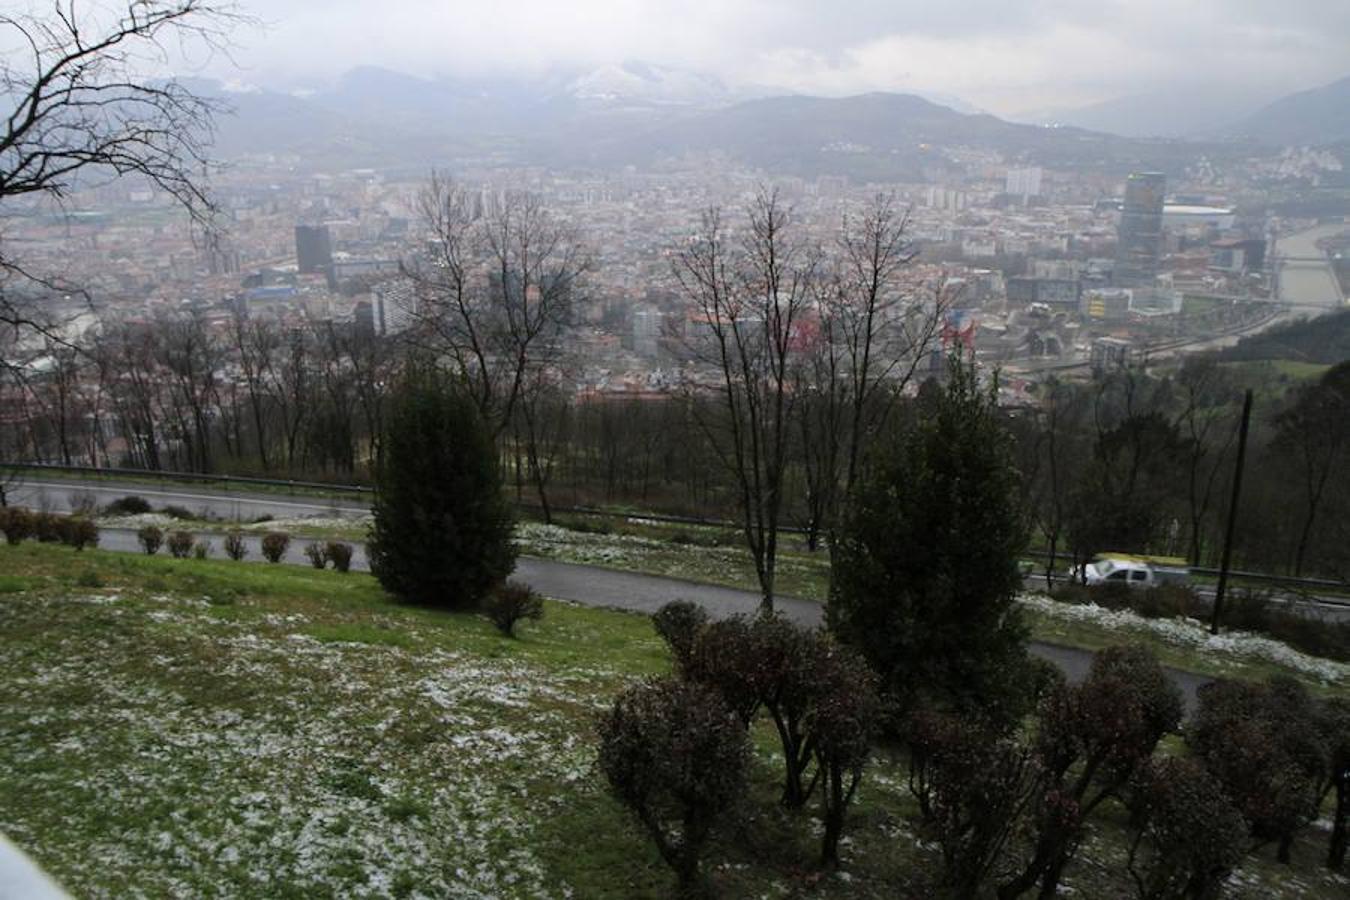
[[1136, 571]]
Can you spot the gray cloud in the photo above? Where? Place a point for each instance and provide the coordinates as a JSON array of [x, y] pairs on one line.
[[1007, 56]]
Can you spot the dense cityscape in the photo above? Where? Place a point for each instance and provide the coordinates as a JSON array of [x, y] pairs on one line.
[[865, 452]]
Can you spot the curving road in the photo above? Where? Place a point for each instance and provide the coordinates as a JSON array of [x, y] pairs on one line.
[[588, 585]]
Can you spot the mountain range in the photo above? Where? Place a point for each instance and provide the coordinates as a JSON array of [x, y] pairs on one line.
[[1218, 110], [640, 114]]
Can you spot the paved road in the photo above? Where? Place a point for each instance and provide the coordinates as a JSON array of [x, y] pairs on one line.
[[60, 495], [593, 586], [242, 506]]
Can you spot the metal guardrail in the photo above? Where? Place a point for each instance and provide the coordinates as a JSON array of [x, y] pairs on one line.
[[1270, 577], [195, 477], [190, 477]]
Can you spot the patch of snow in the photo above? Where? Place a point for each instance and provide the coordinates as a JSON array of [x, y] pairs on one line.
[[1189, 632]]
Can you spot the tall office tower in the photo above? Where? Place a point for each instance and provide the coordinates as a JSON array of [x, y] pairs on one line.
[[1139, 238], [313, 249]]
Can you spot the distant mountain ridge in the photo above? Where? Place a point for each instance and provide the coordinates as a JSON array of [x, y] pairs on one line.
[[1178, 113], [1317, 116], [636, 114]]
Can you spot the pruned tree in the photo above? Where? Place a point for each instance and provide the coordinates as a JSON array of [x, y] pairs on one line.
[[845, 717], [1187, 835], [1265, 745], [675, 755], [751, 291], [1091, 740], [977, 789]]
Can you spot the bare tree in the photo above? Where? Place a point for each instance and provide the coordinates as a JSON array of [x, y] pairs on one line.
[[78, 105], [752, 297], [496, 291], [1206, 421], [82, 106], [873, 334]]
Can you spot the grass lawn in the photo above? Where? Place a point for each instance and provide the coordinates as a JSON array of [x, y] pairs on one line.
[[204, 728]]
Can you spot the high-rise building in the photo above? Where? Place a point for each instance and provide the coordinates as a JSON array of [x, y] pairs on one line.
[[313, 249], [1024, 183], [395, 306], [1139, 237]]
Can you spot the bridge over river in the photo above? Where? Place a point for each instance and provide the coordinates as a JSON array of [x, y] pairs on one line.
[[1304, 277]]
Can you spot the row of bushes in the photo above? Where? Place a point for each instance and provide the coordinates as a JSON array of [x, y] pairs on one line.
[[274, 544], [18, 524], [1244, 610], [1007, 805]]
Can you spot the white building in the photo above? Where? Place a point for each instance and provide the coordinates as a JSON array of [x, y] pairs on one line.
[[395, 305], [1024, 183]]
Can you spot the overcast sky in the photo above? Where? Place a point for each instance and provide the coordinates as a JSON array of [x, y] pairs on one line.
[[1007, 56]]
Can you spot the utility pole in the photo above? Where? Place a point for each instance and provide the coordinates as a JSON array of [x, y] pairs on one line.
[[1232, 512]]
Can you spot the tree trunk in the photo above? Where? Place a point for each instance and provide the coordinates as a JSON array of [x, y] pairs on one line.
[[1284, 854], [834, 818], [1340, 821]]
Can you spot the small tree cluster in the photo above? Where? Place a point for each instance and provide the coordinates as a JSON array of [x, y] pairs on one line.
[[151, 538], [1266, 747], [510, 603], [16, 523], [274, 545], [679, 624], [1188, 836], [180, 544], [79, 532], [47, 527], [130, 505], [340, 555], [675, 754], [1010, 812], [235, 547], [976, 788], [317, 555], [821, 697]]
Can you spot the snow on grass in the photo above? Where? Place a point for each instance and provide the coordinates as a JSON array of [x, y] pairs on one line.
[[731, 565], [162, 749], [355, 520], [1191, 633], [141, 520]]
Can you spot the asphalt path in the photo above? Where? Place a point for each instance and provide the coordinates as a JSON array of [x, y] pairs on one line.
[[587, 585], [61, 495], [636, 592]]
